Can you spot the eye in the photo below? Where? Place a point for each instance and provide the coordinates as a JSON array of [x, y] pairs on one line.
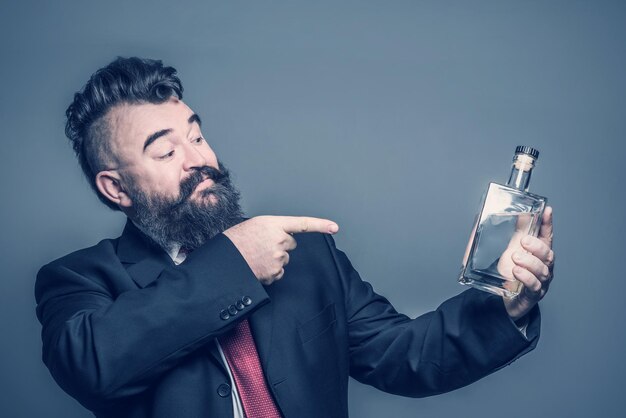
[[166, 156], [198, 140]]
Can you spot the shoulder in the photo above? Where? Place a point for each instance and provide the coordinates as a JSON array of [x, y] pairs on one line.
[[99, 253], [317, 255], [71, 272], [315, 244]]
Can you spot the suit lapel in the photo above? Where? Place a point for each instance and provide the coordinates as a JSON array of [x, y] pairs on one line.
[[143, 258], [262, 326]]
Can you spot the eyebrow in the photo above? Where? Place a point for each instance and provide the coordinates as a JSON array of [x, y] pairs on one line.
[[194, 118], [153, 137]]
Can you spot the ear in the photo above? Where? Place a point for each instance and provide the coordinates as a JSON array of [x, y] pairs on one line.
[[109, 183]]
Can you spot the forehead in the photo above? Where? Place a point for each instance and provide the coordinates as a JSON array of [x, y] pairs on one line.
[[131, 124]]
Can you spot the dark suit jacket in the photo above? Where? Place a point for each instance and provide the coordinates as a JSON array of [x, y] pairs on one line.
[[129, 334]]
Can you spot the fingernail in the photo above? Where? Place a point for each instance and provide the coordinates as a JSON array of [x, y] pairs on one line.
[[333, 228]]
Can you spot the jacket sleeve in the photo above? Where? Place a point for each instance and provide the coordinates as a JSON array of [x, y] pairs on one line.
[[100, 348], [466, 338]]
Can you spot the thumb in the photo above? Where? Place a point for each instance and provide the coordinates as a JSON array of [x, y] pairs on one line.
[[546, 232]]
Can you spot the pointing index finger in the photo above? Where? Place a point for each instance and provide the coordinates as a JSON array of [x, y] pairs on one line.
[[299, 224]]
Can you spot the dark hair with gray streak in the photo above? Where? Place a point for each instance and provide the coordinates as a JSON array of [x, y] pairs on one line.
[[124, 81]]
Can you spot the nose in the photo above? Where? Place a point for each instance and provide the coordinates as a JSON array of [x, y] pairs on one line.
[[196, 157]]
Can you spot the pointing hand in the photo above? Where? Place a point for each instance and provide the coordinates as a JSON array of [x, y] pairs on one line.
[[264, 241]]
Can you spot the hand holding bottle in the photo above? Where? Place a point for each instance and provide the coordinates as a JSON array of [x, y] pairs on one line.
[[508, 213], [533, 267]]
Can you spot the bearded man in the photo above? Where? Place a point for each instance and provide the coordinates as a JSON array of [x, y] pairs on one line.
[[193, 310]]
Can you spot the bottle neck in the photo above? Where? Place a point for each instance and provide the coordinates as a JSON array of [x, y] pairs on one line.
[[520, 172]]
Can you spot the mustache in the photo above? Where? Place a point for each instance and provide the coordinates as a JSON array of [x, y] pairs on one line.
[[187, 186]]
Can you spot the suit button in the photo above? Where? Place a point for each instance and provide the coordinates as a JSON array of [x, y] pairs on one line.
[[246, 300], [223, 390], [239, 305], [232, 310], [224, 315]]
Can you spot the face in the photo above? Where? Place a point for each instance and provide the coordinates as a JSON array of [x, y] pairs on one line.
[[158, 146], [166, 177]]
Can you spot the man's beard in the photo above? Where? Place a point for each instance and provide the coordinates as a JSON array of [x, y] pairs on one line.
[[184, 221]]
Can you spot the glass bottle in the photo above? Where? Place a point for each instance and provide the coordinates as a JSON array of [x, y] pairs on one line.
[[508, 213]]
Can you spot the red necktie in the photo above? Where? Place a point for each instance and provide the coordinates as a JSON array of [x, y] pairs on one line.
[[243, 359]]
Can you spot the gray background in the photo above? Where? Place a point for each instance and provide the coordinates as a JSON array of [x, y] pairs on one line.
[[388, 117]]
